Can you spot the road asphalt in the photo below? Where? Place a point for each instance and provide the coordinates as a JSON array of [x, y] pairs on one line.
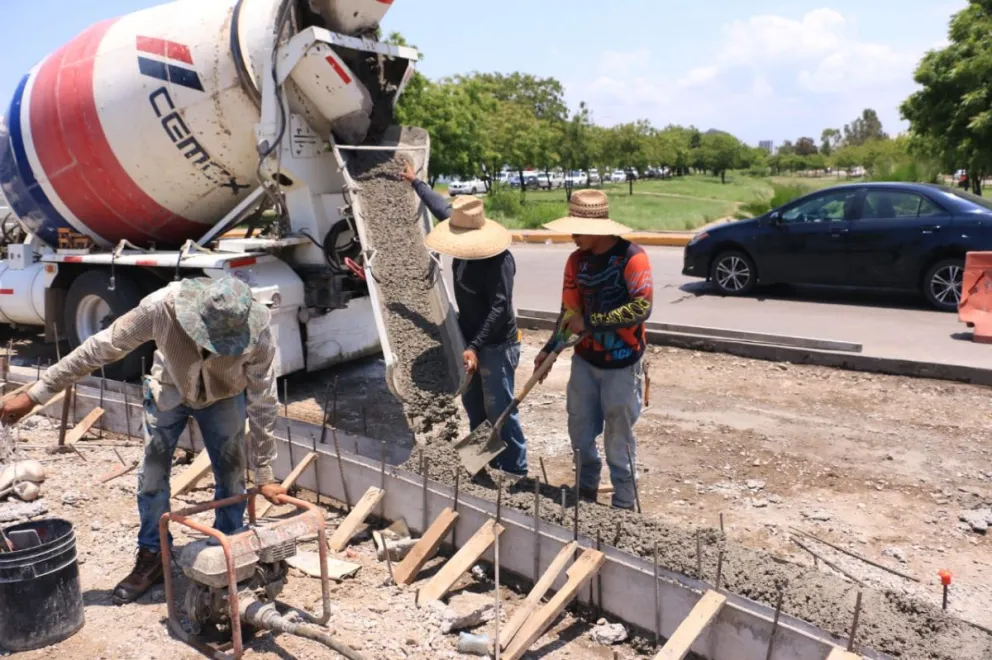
[[890, 325]]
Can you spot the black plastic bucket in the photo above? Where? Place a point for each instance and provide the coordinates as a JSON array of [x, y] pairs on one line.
[[41, 602]]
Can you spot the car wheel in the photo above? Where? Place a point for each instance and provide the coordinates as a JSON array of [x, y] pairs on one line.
[[942, 284], [733, 273]]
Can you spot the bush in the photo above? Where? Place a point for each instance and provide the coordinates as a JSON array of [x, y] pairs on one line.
[[782, 194], [911, 171], [503, 202]]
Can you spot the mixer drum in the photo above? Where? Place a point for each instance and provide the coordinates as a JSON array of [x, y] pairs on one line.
[[140, 128]]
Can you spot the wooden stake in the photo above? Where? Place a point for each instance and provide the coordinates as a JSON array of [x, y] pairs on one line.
[[544, 472], [588, 563], [80, 429], [537, 593], [192, 475], [461, 562], [289, 481], [678, 645], [349, 526], [425, 549]]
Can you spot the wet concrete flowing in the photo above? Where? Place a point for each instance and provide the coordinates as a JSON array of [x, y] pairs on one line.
[[890, 623]]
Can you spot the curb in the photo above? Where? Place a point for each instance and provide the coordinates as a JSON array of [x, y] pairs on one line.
[[651, 239], [778, 353]]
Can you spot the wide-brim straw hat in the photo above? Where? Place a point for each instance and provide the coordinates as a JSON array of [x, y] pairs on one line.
[[468, 233], [588, 215]]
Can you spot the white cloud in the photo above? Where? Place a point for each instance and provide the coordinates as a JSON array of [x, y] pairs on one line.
[[771, 76]]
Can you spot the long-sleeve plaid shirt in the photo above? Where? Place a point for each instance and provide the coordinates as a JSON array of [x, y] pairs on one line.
[[180, 372]]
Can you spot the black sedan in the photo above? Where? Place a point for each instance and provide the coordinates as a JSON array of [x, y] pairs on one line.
[[904, 236]]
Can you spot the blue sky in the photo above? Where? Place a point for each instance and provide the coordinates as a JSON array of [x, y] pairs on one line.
[[762, 69]]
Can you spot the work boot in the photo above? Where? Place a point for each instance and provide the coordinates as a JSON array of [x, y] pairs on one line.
[[146, 574]]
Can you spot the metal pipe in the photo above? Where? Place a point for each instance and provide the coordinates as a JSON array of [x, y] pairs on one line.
[[423, 470], [796, 530], [854, 624], [316, 470], [382, 487], [778, 612], [578, 480], [537, 530], [633, 478], [285, 408], [699, 554], [127, 410], [103, 385], [454, 528]]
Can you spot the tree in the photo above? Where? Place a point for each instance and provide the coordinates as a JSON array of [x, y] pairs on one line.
[[632, 145], [455, 118], [512, 138], [786, 148], [720, 152], [829, 141], [866, 127], [952, 112], [805, 146]]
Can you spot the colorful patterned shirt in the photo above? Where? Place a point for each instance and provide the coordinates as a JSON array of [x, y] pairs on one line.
[[613, 292]]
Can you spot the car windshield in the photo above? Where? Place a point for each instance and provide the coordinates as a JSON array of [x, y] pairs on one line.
[[967, 196]]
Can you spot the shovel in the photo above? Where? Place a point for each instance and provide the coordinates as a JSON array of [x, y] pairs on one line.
[[485, 443]]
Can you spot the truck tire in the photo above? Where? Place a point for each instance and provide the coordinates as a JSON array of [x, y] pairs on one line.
[[91, 307]]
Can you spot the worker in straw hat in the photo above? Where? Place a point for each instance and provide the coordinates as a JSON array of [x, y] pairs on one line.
[[484, 270], [214, 363], [607, 296]]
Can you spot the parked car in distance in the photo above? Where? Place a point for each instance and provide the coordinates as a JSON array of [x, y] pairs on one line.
[[470, 187], [577, 179], [618, 176], [594, 177], [900, 236]]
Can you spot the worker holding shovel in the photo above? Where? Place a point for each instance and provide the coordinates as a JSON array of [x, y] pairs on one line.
[[214, 363], [484, 270], [607, 295]]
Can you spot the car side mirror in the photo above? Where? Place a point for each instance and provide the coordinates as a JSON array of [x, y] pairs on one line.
[[775, 218]]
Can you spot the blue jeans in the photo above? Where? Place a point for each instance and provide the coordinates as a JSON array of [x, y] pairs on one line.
[[606, 401], [222, 426], [488, 395]]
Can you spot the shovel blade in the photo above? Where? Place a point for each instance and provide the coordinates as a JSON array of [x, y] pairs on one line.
[[479, 447]]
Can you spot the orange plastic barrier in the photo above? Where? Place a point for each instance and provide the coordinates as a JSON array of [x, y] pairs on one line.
[[975, 307]]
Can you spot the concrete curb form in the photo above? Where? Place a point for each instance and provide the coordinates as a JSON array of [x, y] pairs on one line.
[[649, 238], [778, 353]]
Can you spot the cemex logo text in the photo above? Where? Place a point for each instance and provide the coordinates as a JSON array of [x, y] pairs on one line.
[[171, 69]]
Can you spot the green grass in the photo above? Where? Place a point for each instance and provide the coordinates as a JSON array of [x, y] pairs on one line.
[[644, 212], [814, 182], [739, 187]]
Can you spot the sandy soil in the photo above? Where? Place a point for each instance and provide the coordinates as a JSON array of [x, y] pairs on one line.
[[879, 465]]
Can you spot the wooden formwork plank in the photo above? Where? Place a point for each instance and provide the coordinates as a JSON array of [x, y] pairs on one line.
[[537, 594], [840, 654], [581, 571], [461, 562], [289, 481], [678, 645], [192, 475], [80, 429], [406, 571], [349, 526]]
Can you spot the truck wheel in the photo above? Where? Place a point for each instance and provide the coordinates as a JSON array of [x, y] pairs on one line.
[[91, 307]]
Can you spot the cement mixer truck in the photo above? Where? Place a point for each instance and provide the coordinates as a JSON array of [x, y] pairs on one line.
[[129, 155]]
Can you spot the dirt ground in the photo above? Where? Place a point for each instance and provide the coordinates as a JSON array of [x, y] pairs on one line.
[[880, 465]]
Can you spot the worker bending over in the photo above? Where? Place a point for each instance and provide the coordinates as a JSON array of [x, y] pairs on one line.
[[484, 270], [213, 363], [607, 295]]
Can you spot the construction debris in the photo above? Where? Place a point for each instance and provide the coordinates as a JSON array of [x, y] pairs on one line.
[[608, 633], [465, 611], [309, 563], [978, 519]]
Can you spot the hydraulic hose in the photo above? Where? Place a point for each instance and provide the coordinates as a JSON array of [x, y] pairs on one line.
[[265, 615]]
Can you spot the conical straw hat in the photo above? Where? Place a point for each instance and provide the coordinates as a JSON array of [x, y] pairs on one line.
[[588, 215], [468, 234]]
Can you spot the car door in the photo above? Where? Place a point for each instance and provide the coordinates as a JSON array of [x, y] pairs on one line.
[[890, 241], [805, 243]]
